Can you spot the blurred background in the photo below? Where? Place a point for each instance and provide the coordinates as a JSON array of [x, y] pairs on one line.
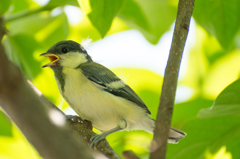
[[133, 39]]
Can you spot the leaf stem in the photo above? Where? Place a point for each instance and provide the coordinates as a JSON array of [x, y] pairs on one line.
[[26, 13]]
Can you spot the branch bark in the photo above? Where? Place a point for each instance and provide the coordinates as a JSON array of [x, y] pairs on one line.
[[164, 116], [38, 118], [32, 116], [82, 129]]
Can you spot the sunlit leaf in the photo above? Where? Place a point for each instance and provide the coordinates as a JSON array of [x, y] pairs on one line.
[[4, 5], [133, 15], [5, 125], [57, 3], [221, 154], [223, 71], [55, 31], [220, 18], [22, 5], [198, 65], [85, 30], [102, 14], [37, 21], [16, 146], [227, 103], [212, 49]]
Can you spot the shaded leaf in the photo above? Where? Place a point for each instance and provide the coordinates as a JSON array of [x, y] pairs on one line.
[[226, 104], [160, 16], [5, 125], [4, 5], [207, 135], [186, 111], [220, 18], [204, 136], [132, 13], [102, 14], [20, 49]]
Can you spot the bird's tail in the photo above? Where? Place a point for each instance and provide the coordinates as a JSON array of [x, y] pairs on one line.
[[175, 135]]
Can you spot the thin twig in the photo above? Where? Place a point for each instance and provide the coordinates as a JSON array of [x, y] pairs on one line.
[[163, 122]]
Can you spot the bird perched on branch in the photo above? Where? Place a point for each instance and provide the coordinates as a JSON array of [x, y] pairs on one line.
[[96, 94]]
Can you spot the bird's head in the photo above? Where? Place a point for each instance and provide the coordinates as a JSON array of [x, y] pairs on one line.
[[66, 54]]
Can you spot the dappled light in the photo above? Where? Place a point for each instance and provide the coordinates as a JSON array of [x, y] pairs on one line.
[[207, 102]]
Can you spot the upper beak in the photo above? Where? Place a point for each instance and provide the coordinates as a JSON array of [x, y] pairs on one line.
[[52, 57]]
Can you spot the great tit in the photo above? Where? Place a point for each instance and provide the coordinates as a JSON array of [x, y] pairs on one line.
[[96, 94]]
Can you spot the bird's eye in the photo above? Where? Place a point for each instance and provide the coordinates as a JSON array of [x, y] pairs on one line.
[[65, 50]]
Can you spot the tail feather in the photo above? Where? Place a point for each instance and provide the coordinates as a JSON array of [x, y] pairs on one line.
[[148, 124], [175, 135]]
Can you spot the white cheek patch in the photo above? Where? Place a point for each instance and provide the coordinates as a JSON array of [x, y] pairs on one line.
[[72, 59]]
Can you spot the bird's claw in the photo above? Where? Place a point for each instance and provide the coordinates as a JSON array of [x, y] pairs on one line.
[[74, 118], [95, 140]]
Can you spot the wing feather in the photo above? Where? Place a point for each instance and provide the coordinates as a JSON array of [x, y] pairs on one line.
[[111, 83]]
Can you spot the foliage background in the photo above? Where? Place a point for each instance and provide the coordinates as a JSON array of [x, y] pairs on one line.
[[211, 73]]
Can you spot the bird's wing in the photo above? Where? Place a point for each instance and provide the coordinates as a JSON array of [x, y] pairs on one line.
[[105, 79]]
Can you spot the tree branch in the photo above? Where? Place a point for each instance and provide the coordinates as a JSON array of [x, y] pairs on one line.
[[39, 119], [163, 122], [82, 129], [33, 117], [34, 114]]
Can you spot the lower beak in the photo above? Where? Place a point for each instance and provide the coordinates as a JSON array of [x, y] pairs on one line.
[[52, 57]]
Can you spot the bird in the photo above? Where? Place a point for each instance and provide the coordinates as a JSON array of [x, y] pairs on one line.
[[96, 94]]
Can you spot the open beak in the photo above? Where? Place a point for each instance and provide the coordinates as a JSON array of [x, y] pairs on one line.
[[52, 57]]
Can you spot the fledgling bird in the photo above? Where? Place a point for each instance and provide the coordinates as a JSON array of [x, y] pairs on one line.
[[96, 94]]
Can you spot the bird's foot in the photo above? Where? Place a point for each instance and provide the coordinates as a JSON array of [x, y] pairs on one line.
[[96, 139], [74, 118]]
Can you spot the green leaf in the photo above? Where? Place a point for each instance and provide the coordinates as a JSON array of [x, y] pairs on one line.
[[55, 31], [5, 125], [21, 5], [226, 104], [26, 39], [57, 3], [220, 18], [204, 136], [132, 13], [37, 21], [102, 14], [183, 112], [160, 16], [207, 135], [4, 5], [20, 49]]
